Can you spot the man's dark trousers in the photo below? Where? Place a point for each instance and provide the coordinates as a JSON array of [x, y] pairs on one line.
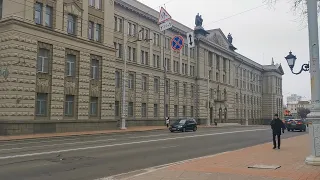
[[274, 140]]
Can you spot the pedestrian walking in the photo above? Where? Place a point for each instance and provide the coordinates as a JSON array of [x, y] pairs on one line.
[[167, 121], [277, 126]]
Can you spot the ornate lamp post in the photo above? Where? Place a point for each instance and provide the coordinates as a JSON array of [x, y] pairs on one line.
[[291, 59]]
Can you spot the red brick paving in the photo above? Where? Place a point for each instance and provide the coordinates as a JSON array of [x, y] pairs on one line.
[[234, 165]]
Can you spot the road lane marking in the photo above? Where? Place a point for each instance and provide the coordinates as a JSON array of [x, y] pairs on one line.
[[82, 142], [79, 137], [122, 144], [50, 145], [38, 142], [166, 147], [73, 139]]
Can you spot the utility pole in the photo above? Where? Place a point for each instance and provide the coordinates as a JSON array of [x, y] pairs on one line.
[[165, 65], [314, 116], [208, 99], [124, 103]]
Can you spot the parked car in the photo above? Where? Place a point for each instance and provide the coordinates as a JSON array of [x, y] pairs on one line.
[[295, 124], [286, 122], [184, 125]]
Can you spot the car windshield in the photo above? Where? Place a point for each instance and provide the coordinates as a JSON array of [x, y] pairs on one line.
[[181, 121]]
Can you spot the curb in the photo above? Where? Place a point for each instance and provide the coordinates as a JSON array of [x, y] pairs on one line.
[[74, 135], [118, 132]]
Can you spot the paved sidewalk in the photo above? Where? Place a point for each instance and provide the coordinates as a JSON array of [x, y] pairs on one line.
[[234, 165]]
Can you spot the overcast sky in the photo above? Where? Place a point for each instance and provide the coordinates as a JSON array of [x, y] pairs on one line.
[[259, 31]]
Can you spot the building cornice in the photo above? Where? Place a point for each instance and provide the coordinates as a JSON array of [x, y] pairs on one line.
[[151, 17], [210, 43], [56, 33]]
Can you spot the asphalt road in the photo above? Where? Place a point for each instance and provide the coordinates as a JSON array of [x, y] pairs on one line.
[[96, 156]]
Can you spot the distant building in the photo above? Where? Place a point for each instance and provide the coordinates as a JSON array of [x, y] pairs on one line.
[[293, 98], [295, 105]]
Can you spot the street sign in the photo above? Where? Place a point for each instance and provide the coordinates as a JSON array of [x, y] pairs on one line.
[[166, 25], [177, 42], [163, 16], [190, 37]]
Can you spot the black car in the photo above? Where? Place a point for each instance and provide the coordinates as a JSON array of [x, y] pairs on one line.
[[296, 125], [184, 125]]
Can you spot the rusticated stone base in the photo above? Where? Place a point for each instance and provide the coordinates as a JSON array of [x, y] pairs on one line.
[[52, 126]]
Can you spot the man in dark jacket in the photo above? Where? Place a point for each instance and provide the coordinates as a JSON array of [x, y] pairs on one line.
[[277, 126]]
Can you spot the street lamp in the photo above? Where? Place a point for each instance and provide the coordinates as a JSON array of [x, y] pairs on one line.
[[124, 108], [291, 60]]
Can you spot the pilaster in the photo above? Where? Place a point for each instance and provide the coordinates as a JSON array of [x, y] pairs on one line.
[[84, 80], [108, 88], [57, 96], [85, 19]]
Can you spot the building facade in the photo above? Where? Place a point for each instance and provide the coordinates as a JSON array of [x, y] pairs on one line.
[[63, 70], [294, 106]]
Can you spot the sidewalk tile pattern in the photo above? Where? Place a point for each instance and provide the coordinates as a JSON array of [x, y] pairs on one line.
[[234, 165]]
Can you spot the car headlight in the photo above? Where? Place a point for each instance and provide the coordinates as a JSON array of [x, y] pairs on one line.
[[179, 126]]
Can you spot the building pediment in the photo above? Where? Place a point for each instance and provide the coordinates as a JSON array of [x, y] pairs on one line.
[[73, 7], [216, 36]]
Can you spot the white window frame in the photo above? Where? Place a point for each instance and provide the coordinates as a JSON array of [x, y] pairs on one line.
[[99, 4], [38, 9], [44, 62], [92, 3], [91, 30], [131, 81], [69, 106], [42, 104], [49, 16], [98, 32], [144, 83], [71, 24], [71, 65], [95, 69], [156, 85], [94, 106], [155, 110]]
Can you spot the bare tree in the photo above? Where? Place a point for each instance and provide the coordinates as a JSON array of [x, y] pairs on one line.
[[298, 7]]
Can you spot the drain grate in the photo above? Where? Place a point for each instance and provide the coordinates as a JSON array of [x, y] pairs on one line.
[[262, 166]]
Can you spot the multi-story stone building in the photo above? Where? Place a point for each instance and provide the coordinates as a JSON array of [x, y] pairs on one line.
[[62, 64]]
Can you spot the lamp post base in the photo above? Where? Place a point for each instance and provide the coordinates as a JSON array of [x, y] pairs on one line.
[[314, 135], [208, 123], [123, 124], [313, 160]]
